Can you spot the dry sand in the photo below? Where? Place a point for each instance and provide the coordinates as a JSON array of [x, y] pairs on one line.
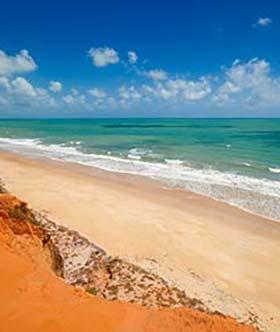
[[33, 298], [169, 230]]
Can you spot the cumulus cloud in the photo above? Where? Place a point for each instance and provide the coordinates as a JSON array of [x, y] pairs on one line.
[[4, 83], [243, 83], [71, 100], [103, 56], [75, 92], [129, 93], [22, 87], [20, 91], [250, 80], [55, 86], [190, 90], [132, 57], [180, 89], [156, 74], [98, 93], [263, 21], [20, 63]]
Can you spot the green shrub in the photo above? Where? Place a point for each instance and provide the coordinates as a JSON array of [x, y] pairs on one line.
[[92, 291]]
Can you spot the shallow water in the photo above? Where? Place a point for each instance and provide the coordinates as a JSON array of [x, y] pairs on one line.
[[233, 160]]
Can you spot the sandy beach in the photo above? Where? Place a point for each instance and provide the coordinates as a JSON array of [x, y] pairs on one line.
[[175, 232], [34, 273]]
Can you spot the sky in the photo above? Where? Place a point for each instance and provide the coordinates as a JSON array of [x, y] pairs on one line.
[[192, 58]]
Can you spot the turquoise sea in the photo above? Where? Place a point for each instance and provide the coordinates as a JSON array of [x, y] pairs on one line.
[[233, 160]]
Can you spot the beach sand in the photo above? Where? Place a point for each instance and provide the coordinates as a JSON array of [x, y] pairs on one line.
[[173, 231], [35, 299]]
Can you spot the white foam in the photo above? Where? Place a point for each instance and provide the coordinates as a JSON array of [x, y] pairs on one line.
[[175, 162], [75, 142], [132, 156], [274, 170], [140, 152], [261, 196]]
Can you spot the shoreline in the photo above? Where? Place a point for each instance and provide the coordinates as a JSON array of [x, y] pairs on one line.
[[212, 183], [126, 176], [179, 230]]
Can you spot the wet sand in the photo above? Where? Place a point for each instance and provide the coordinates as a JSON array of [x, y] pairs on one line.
[[137, 218]]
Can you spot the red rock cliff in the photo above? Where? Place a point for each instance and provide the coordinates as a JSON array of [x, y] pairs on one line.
[[33, 298]]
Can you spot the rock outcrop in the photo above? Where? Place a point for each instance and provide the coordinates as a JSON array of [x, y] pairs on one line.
[[34, 298]]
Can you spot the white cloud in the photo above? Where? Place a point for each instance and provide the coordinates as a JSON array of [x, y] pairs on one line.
[[112, 101], [244, 83], [75, 92], [74, 98], [250, 80], [191, 90], [160, 91], [19, 91], [20, 63], [264, 21], [129, 93], [98, 93], [70, 99], [22, 87], [156, 74], [132, 57], [103, 56], [55, 86], [4, 83], [175, 89]]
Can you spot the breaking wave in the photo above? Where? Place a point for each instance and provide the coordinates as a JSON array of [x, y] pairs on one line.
[[260, 196]]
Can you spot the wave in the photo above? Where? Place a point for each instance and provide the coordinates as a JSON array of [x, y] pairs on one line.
[[75, 142], [132, 156], [274, 170], [175, 162], [139, 153], [261, 196]]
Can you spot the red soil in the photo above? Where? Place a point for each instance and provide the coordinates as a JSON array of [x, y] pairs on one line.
[[33, 298]]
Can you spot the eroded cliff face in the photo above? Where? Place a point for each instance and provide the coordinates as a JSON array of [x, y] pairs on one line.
[[34, 298]]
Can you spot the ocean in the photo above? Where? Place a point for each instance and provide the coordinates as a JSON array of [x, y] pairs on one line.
[[233, 160]]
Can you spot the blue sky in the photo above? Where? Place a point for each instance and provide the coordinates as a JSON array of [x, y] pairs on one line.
[[149, 58]]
